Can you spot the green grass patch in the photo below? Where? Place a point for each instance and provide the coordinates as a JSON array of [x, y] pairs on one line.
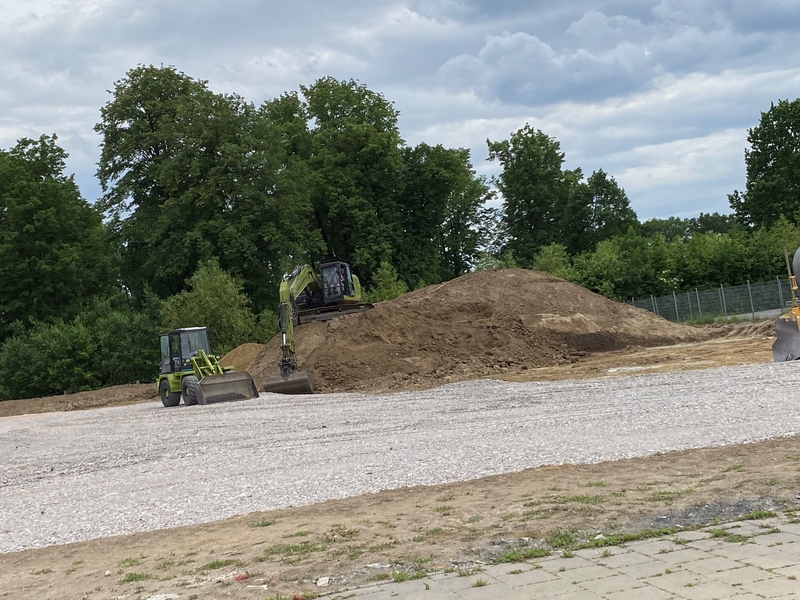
[[444, 509], [426, 535], [521, 554], [130, 577], [617, 539], [303, 533], [562, 539], [129, 562], [584, 499], [758, 514], [292, 551], [263, 523], [218, 564]]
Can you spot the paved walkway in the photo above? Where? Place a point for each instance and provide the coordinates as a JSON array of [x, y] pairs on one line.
[[695, 565]]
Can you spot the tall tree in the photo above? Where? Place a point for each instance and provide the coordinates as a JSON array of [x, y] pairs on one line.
[[535, 190], [189, 175], [54, 252], [773, 168]]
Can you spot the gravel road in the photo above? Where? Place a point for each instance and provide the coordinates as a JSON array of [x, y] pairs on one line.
[[75, 476]]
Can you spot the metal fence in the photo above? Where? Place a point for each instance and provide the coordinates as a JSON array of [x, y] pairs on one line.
[[737, 300]]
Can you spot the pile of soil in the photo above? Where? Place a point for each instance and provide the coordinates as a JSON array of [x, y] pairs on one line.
[[111, 396], [240, 357], [482, 324]]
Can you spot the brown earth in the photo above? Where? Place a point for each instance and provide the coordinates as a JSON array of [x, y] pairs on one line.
[[479, 325]]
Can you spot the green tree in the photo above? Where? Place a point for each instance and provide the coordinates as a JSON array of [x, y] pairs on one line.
[[608, 212], [356, 167], [54, 253], [217, 301], [535, 189], [189, 175], [385, 285], [773, 168], [554, 259]]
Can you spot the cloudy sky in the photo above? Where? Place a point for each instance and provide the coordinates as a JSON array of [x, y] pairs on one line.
[[657, 93]]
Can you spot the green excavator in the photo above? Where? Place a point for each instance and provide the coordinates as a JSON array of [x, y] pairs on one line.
[[188, 370], [305, 296]]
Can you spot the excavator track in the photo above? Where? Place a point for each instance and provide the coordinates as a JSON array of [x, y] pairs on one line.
[[326, 313]]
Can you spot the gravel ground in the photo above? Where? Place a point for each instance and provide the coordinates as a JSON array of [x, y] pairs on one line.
[[76, 476]]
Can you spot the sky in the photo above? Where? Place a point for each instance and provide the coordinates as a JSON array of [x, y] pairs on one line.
[[659, 94]]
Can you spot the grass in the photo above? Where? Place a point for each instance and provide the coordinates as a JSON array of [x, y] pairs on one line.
[[758, 514], [733, 538], [263, 523], [480, 583], [399, 576], [467, 571], [562, 539], [380, 577], [584, 499], [129, 562], [292, 552], [521, 554], [596, 484], [426, 535], [444, 509], [134, 577], [618, 539], [218, 564], [302, 533]]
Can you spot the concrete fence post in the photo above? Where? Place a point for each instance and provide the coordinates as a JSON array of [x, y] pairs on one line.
[[675, 299], [722, 300], [689, 301], [750, 293], [780, 292], [699, 308]]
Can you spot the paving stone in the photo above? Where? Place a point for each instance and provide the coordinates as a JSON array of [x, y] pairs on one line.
[[577, 595], [643, 593], [526, 577], [624, 559], [586, 573], [742, 552], [742, 575], [682, 556], [709, 545], [651, 547], [770, 539], [710, 566], [773, 560], [689, 535], [792, 571], [556, 564], [548, 588], [455, 584], [615, 583], [640, 571], [790, 527], [772, 588], [711, 590], [675, 581]]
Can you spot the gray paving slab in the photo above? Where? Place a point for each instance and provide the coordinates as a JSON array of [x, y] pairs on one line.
[[659, 569]]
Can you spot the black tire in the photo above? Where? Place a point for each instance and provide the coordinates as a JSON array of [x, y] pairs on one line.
[[168, 397], [189, 389]]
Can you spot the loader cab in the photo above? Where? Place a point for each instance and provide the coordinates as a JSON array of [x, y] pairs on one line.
[[337, 282], [178, 346]]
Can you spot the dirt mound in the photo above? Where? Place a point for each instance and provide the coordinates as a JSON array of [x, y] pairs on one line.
[[240, 357], [116, 395], [483, 323]]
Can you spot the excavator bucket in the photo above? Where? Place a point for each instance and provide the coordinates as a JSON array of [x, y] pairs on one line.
[[787, 344], [228, 386], [299, 382]]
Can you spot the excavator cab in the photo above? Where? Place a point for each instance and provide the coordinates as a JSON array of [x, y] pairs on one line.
[[337, 282]]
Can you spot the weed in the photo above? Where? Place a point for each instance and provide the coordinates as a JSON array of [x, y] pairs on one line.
[[129, 562], [758, 514], [734, 467], [380, 577], [618, 539], [606, 553], [680, 541], [428, 534], [668, 496], [515, 572], [562, 539], [521, 554], [467, 571], [303, 533], [445, 498], [218, 564], [383, 546], [263, 523], [584, 499], [733, 538], [444, 509], [134, 577], [293, 551], [163, 566], [43, 572], [77, 562], [567, 554], [479, 583], [596, 484], [70, 570], [474, 519]]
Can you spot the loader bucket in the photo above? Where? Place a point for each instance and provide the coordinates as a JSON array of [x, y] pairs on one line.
[[299, 382], [228, 386], [787, 344]]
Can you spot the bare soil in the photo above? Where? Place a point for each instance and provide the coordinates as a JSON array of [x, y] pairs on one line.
[[510, 325]]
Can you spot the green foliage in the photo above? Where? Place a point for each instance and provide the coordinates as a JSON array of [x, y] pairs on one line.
[[215, 300], [54, 255], [189, 175], [107, 344], [386, 285], [553, 259], [488, 262], [773, 168]]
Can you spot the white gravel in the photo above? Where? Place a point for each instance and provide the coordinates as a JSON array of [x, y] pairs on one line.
[[76, 476]]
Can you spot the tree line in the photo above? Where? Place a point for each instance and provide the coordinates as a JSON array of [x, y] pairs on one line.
[[208, 199]]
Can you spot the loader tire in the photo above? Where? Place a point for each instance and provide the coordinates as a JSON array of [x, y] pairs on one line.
[[168, 397], [189, 390]]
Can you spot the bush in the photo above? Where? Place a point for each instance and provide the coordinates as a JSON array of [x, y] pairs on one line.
[[385, 285]]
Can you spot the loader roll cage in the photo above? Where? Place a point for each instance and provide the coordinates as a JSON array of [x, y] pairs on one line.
[[179, 346]]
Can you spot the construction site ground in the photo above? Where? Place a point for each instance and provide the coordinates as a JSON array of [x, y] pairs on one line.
[[336, 545]]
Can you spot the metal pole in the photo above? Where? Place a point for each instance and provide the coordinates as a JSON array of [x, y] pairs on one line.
[[749, 293], [653, 300], [675, 299], [780, 291], [689, 301], [722, 296], [633, 302], [699, 308]]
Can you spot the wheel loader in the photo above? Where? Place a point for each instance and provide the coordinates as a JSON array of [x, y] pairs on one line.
[[307, 295], [188, 370], [787, 327]]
